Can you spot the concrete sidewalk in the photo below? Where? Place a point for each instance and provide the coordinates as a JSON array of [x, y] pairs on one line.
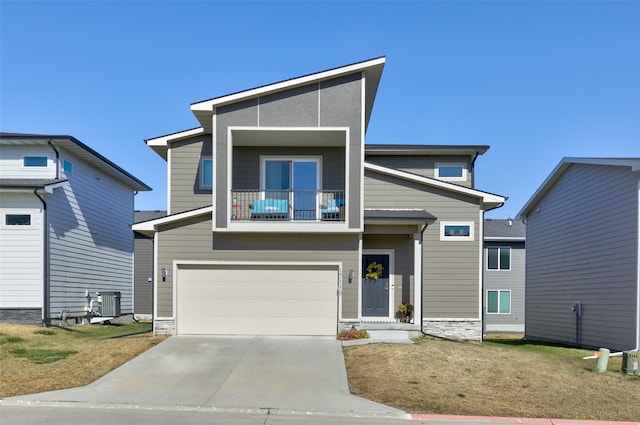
[[290, 374]]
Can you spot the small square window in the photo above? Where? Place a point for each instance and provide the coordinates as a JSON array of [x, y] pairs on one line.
[[452, 172], [206, 172], [35, 161], [17, 220], [499, 302], [67, 166], [456, 231]]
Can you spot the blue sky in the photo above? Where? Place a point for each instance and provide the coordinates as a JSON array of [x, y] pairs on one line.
[[535, 80]]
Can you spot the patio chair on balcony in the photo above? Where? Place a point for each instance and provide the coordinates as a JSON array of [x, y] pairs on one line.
[[269, 209], [333, 210]]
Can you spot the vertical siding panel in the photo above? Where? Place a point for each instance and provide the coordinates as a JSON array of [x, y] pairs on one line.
[[21, 253]]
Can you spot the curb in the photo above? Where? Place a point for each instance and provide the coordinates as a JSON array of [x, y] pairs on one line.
[[507, 420]]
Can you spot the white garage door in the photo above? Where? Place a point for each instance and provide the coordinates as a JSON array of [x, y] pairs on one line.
[[241, 300]]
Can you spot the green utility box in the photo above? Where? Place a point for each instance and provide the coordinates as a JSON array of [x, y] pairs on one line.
[[631, 362]]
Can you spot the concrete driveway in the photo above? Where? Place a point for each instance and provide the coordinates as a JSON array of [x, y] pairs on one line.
[[296, 374]]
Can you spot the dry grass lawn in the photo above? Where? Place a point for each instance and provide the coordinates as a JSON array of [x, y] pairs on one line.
[[492, 379], [94, 355]]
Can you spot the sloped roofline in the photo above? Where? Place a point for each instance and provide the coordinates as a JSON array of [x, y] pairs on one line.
[[372, 69], [562, 166], [149, 227], [107, 165], [490, 201]]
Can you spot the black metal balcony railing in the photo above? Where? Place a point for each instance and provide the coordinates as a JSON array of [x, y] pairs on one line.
[[287, 205]]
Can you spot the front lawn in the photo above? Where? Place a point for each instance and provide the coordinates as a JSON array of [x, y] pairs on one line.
[[501, 378], [35, 359]]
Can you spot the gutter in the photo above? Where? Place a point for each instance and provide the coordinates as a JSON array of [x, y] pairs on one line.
[[45, 262]]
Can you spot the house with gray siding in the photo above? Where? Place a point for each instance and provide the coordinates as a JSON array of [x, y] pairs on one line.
[[504, 275], [143, 267], [65, 233], [282, 220], [583, 264]]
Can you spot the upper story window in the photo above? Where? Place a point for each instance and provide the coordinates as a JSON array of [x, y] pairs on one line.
[[453, 171], [499, 258], [456, 231], [67, 166], [35, 161], [206, 172], [17, 220]]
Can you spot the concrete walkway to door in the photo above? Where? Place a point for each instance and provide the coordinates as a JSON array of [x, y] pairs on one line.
[[295, 374]]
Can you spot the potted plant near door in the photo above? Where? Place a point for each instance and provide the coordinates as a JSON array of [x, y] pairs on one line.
[[405, 312]]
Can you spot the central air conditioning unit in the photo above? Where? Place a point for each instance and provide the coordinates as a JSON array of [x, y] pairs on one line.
[[631, 362], [109, 304]]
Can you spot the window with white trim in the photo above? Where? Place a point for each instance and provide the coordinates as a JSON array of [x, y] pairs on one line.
[[35, 161], [206, 172], [499, 258], [456, 231], [498, 302], [17, 220], [451, 171]]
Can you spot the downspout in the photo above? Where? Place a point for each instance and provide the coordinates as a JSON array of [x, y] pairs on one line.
[[57, 159], [473, 166], [637, 348], [45, 262]]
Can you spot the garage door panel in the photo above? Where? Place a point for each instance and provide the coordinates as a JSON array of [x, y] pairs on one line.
[[256, 301]]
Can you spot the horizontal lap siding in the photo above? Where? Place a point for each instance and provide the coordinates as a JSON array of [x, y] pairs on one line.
[[194, 241], [91, 243], [185, 192], [451, 269], [582, 245], [512, 279], [421, 165]]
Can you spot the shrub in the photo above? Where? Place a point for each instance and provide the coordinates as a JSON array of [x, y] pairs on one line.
[[352, 334]]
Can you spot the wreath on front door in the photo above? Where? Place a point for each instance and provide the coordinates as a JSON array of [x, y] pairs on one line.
[[374, 271]]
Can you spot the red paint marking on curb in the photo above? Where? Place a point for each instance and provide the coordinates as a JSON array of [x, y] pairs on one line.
[[505, 420]]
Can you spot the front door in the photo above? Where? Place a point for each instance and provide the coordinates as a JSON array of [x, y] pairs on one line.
[[375, 285]]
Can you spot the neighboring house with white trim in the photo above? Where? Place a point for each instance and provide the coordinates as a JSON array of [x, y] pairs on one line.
[[65, 233], [504, 282], [281, 220], [583, 255]]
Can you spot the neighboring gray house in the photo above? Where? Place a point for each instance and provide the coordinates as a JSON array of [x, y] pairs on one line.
[[583, 267], [65, 233], [282, 221], [504, 266], [143, 268]]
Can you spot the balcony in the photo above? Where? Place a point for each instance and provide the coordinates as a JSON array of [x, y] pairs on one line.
[[288, 205]]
